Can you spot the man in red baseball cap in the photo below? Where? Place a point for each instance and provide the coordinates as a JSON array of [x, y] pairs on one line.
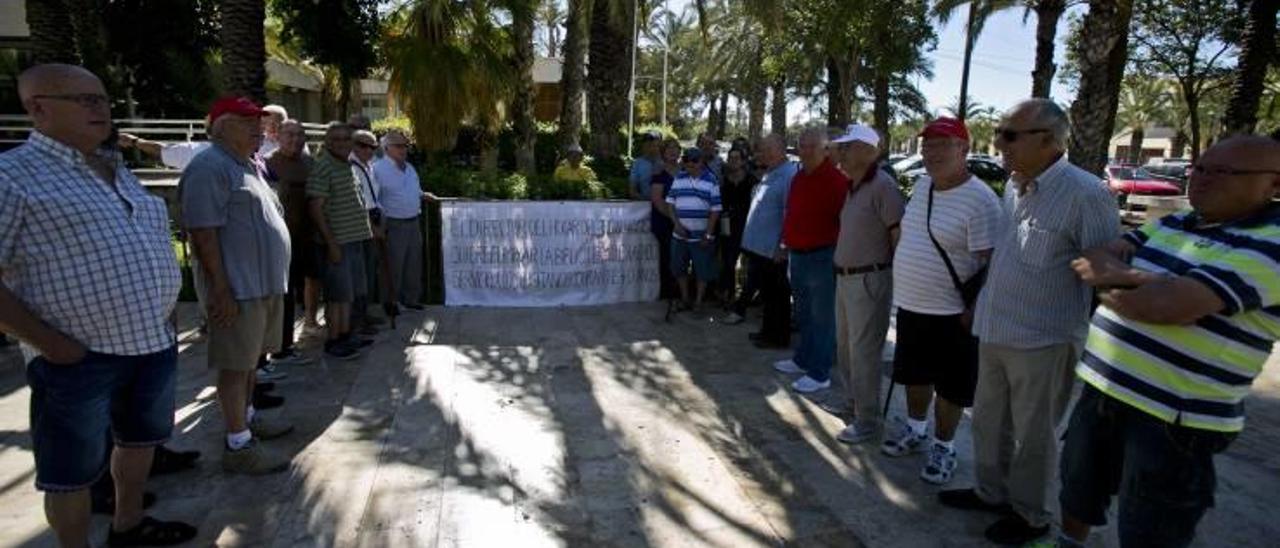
[[948, 233], [243, 248]]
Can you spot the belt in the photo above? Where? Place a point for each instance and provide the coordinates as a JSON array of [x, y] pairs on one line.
[[809, 250], [863, 269]]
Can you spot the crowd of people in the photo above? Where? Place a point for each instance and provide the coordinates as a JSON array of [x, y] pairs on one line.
[[1000, 302]]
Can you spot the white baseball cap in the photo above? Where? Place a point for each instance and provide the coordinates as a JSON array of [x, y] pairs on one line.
[[858, 133]]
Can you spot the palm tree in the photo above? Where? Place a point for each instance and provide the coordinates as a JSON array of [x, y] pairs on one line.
[[450, 63], [522, 23], [244, 53], [1257, 52], [52, 40], [1102, 51], [1143, 102], [576, 40], [979, 11], [550, 17], [609, 73]]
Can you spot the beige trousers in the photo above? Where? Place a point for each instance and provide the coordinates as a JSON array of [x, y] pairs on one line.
[[863, 302], [1021, 398]]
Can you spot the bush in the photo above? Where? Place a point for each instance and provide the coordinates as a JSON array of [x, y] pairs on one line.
[[468, 184]]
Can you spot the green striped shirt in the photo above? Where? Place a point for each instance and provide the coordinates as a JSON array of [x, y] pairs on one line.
[[333, 180], [1196, 375]]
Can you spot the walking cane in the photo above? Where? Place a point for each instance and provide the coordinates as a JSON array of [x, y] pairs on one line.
[[888, 398], [389, 306]]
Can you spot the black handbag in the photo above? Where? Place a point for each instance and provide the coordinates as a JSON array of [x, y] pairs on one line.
[[969, 289]]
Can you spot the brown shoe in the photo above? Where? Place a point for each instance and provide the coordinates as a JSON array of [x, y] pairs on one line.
[[253, 460], [266, 429]]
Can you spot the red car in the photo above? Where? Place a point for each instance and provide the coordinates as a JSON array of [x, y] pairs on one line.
[[1125, 180]]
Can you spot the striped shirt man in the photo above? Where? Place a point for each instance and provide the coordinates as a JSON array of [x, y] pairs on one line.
[[1196, 375], [965, 221], [694, 199], [1033, 298], [331, 178]]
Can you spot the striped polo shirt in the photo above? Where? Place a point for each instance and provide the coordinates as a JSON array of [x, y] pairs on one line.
[[694, 200], [331, 178], [1196, 375]]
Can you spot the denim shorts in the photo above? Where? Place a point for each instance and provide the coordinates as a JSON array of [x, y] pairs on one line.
[[344, 281], [702, 256], [1162, 472], [75, 409]]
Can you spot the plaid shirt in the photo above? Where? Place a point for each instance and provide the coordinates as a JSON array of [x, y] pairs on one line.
[[92, 260]]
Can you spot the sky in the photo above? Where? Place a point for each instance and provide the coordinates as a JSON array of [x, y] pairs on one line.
[[1001, 69]]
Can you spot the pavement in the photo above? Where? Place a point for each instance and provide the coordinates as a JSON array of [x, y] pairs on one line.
[[596, 426]]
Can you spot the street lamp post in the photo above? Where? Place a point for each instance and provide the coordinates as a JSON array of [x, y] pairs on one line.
[[631, 95]]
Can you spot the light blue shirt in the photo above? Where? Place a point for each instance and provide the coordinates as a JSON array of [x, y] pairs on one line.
[[768, 207], [399, 191], [642, 176]]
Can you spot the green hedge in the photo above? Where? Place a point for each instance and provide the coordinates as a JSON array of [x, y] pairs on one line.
[[464, 183]]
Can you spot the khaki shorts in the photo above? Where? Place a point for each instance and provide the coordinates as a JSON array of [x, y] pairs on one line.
[[256, 331]]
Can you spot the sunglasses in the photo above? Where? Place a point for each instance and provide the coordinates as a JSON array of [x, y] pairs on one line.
[[1011, 135]]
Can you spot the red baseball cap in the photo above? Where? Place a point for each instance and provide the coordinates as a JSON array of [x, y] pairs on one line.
[[946, 127], [240, 106]]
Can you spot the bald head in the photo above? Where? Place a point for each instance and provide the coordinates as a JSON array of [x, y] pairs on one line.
[[67, 104], [771, 150], [1235, 178]]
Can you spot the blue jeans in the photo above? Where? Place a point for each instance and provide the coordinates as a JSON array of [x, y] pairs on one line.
[[813, 283], [1162, 472], [74, 408]]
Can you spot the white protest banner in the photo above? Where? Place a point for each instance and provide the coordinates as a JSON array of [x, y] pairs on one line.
[[547, 253]]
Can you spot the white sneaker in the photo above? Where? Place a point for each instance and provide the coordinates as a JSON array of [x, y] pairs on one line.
[[941, 465], [806, 385], [904, 441], [787, 366]]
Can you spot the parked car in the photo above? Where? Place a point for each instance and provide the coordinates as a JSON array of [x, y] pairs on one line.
[[909, 163], [987, 170], [1127, 180], [1174, 170]]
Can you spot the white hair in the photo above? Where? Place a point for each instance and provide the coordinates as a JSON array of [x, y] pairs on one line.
[[1049, 115]]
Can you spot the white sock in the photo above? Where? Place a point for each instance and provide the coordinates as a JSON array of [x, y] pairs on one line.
[[248, 414], [238, 440], [950, 445], [918, 427]]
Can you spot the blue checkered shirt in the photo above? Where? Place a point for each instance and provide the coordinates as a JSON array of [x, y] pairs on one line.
[[92, 260]]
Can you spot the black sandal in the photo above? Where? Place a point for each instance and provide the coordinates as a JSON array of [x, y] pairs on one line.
[[107, 505], [152, 532], [168, 461]]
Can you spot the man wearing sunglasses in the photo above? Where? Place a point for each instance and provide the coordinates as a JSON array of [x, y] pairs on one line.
[[1031, 319], [88, 284], [1190, 312]]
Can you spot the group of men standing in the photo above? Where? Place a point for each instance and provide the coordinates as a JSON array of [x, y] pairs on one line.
[[993, 298], [90, 279]]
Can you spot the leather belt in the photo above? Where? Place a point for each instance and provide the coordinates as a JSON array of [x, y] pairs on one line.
[[863, 269]]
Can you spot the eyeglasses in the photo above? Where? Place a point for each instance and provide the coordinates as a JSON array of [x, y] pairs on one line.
[[86, 100], [1011, 135], [1223, 171]]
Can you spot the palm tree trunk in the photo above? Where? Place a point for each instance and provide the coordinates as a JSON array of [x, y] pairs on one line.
[[609, 76], [522, 103], [778, 110], [86, 19], [1257, 53], [970, 37], [1135, 145], [1178, 146], [52, 40], [880, 110], [1192, 99], [1048, 12], [1102, 50], [244, 53], [575, 51], [756, 107], [839, 93]]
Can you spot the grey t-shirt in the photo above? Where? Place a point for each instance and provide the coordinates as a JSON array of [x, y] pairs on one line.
[[870, 211], [218, 190]]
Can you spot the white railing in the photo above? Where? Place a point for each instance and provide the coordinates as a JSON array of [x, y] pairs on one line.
[[15, 127]]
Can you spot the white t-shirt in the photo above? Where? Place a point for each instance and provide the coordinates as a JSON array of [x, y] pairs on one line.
[[178, 155], [966, 220]]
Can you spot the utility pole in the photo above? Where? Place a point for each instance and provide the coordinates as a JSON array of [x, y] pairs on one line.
[[631, 95]]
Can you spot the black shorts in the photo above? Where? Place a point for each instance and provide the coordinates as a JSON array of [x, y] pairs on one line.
[[938, 351]]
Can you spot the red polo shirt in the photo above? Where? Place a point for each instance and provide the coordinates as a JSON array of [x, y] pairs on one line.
[[813, 208]]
